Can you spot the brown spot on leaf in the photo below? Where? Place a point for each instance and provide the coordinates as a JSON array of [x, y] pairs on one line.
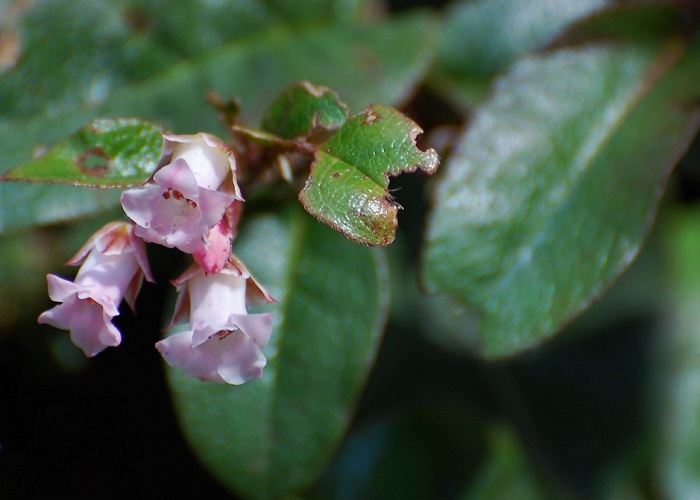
[[10, 42], [9, 50], [378, 215], [94, 162], [335, 175], [371, 117], [137, 21]]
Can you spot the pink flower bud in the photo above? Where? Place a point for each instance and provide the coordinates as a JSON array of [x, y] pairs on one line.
[[214, 258]]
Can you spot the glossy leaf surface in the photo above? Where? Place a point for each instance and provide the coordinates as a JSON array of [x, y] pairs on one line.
[[555, 185], [482, 38]]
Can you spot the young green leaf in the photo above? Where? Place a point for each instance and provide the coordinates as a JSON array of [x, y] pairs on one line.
[[555, 185], [302, 109], [271, 437], [348, 185], [107, 153]]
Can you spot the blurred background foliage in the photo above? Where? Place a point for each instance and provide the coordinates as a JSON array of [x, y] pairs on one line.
[[609, 408]]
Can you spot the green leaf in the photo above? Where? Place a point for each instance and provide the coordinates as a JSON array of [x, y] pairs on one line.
[[640, 22], [210, 24], [107, 153], [361, 63], [423, 453], [677, 464], [43, 204], [348, 185], [318, 10], [482, 38], [302, 109], [72, 54], [548, 197], [364, 64], [506, 472], [105, 44], [583, 400], [271, 437]]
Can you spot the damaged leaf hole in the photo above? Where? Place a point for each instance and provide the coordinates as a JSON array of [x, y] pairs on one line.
[[94, 162]]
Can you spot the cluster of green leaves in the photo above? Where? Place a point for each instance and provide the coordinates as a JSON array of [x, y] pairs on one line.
[[349, 180], [576, 112]]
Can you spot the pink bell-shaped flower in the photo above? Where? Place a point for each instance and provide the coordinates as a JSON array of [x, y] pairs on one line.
[[223, 342], [188, 196], [114, 264]]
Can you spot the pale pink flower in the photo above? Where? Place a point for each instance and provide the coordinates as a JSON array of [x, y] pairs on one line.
[[114, 264], [188, 196], [223, 343]]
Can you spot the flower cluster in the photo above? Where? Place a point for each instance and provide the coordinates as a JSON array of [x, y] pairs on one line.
[[191, 203]]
